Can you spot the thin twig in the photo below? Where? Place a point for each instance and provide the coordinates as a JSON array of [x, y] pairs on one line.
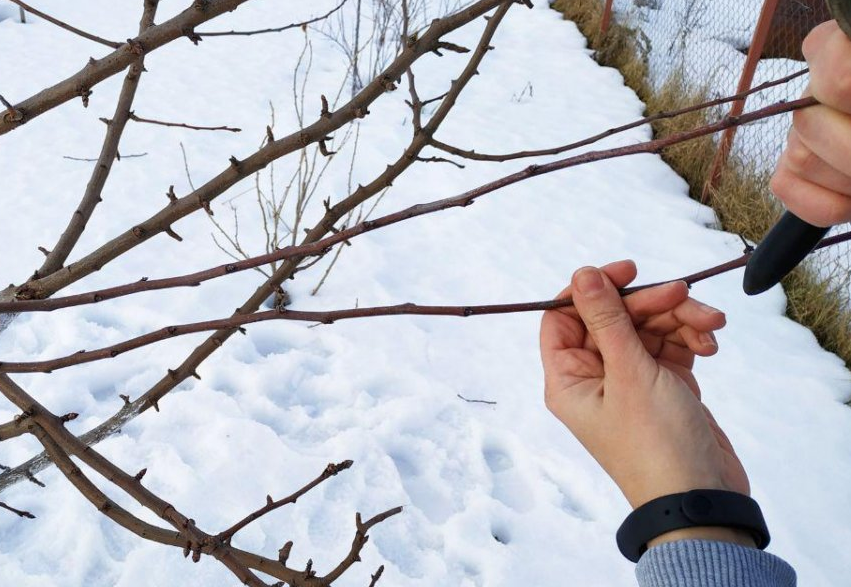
[[278, 29], [67, 26], [20, 513], [136, 118], [476, 401], [473, 155], [330, 471], [117, 157]]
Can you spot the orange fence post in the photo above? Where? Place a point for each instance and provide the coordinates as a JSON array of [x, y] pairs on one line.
[[607, 17], [760, 35]]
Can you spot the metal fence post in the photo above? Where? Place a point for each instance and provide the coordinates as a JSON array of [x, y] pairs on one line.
[[763, 26]]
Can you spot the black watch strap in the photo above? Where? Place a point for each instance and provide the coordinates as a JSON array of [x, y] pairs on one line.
[[699, 507]]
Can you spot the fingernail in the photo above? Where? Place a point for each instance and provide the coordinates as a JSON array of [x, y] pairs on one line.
[[589, 281], [707, 339], [709, 309]]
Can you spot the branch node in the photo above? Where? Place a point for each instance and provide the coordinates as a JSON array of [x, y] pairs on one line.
[[135, 47], [171, 195], [139, 232], [125, 398], [284, 552], [205, 204], [84, 93], [138, 476], [325, 112], [170, 232], [190, 34], [323, 148]]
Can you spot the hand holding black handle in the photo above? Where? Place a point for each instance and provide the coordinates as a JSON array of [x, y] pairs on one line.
[[791, 239]]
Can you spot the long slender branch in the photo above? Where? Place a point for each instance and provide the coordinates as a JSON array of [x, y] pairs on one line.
[[473, 155], [322, 245], [98, 70], [136, 118], [278, 29], [66, 26], [92, 196], [332, 316]]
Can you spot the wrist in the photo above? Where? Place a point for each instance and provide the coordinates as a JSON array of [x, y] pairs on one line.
[[713, 533]]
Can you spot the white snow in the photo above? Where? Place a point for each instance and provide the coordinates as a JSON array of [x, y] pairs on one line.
[[494, 495]]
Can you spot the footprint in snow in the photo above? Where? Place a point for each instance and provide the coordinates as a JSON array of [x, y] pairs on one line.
[[508, 485], [427, 493]]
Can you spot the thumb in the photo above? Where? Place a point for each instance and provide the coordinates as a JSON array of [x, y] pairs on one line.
[[602, 310]]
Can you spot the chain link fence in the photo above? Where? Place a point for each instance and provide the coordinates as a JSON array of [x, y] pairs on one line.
[[689, 51], [706, 42]]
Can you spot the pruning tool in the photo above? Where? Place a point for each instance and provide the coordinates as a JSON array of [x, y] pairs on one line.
[[791, 239]]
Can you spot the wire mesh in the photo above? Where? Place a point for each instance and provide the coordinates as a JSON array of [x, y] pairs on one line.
[[705, 43]]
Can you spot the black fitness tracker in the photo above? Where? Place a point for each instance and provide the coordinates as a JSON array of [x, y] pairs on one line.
[[699, 507]]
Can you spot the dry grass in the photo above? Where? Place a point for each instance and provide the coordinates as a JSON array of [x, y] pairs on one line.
[[741, 199]]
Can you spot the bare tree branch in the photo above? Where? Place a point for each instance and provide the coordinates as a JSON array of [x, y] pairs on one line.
[[66, 26], [136, 118], [20, 513], [109, 153], [97, 70], [271, 505], [473, 155], [60, 444], [359, 542], [323, 245], [188, 368], [332, 316], [240, 169], [278, 29], [13, 429]]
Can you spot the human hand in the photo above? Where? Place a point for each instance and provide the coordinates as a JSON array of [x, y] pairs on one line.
[[813, 176], [618, 375]]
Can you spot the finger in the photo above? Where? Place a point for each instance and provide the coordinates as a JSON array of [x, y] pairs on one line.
[[826, 49], [610, 326], [690, 312], [656, 300], [649, 302], [826, 132], [702, 343], [803, 162], [621, 273], [677, 354], [809, 201]]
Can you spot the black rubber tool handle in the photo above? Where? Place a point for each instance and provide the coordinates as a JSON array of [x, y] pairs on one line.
[[791, 239], [780, 251]]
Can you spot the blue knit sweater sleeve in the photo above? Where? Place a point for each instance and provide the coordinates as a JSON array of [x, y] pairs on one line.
[[703, 563]]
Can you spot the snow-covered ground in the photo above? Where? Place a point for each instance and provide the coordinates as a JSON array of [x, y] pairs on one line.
[[495, 495]]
